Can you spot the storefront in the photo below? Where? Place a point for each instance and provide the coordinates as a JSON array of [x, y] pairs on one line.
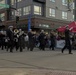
[[37, 23]]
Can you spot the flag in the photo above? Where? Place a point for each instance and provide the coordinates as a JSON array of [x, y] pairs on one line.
[[29, 22]]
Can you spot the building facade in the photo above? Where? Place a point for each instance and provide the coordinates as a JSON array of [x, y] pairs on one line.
[[44, 14]]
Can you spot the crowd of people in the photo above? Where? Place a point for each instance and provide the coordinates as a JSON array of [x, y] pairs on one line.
[[17, 39]]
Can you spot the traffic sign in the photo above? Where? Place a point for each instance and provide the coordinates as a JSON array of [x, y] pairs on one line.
[[4, 5]]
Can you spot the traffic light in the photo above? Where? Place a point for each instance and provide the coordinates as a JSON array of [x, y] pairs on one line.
[[17, 19]]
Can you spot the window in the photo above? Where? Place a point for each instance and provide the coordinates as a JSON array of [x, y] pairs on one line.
[[52, 0], [52, 12], [64, 2], [15, 1], [12, 12], [2, 16], [12, 2], [26, 10], [37, 10], [64, 15], [19, 0], [2, 1], [73, 5], [18, 12], [73, 17]]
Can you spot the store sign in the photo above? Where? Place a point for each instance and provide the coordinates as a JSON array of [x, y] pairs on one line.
[[4, 5], [44, 25]]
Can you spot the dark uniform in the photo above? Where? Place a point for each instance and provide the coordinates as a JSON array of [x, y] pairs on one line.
[[10, 35], [52, 38], [2, 40], [20, 40], [67, 41], [32, 40], [42, 41], [16, 41]]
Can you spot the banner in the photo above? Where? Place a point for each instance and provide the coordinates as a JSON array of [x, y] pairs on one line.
[[60, 44]]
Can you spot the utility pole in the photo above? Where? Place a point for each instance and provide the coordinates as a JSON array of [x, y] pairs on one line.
[[16, 4]]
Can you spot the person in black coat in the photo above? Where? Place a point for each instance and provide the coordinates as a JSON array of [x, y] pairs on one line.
[[32, 40], [16, 39], [42, 40], [20, 40], [67, 41], [52, 39], [2, 43], [10, 35]]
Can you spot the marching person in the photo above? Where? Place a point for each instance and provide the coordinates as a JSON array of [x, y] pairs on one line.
[[52, 39], [67, 40], [10, 35], [26, 38], [16, 36], [21, 40], [31, 40], [6, 43], [2, 35], [42, 40]]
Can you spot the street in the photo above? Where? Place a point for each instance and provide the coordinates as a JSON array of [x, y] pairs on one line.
[[37, 62]]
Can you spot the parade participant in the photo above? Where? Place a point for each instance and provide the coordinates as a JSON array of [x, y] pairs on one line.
[[10, 35], [2, 40], [67, 40], [21, 39], [42, 40], [26, 38], [32, 41], [16, 36], [30, 35], [52, 39]]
